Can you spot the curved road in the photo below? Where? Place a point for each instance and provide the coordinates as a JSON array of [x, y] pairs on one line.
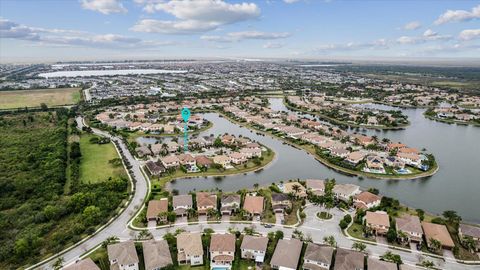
[[312, 227]]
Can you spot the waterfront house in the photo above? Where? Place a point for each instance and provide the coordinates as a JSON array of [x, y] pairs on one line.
[[254, 248], [294, 188], [156, 254], [228, 139], [190, 249], [412, 159], [155, 167], [286, 254], [316, 186], [229, 203], [251, 152], [123, 256], [465, 230], [85, 264], [375, 164], [339, 152], [203, 161], [280, 202], [355, 157], [438, 232], [222, 251], [205, 202], [345, 191], [253, 205], [237, 158], [186, 160], [349, 260], [181, 204], [172, 146], [171, 161], [378, 222], [366, 200], [317, 257], [374, 264], [411, 226], [222, 160], [157, 207], [143, 151]]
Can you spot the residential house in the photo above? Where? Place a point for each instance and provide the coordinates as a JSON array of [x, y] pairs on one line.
[[123, 256], [317, 257], [171, 161], [254, 248], [85, 264], [438, 232], [237, 158], [286, 254], [190, 249], [156, 254], [155, 167], [366, 200], [156, 208], [280, 202], [223, 160], [349, 260], [375, 164], [228, 139], [395, 162], [181, 204], [411, 226], [222, 251], [172, 147], [378, 222], [205, 202], [229, 203], [465, 230], [251, 152], [355, 157], [316, 186], [345, 191], [339, 152], [186, 160], [143, 151], [412, 159], [253, 205], [203, 161], [374, 264], [295, 188]]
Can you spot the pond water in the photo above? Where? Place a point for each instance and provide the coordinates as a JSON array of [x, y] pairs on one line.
[[456, 186]]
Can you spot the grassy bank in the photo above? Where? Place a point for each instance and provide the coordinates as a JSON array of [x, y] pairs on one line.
[[35, 97]]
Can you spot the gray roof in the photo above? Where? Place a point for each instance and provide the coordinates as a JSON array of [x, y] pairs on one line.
[[254, 243], [85, 264], [470, 230], [181, 200], [374, 264], [348, 259], [231, 198], [156, 254], [124, 252], [409, 223], [279, 197], [287, 253], [319, 253]]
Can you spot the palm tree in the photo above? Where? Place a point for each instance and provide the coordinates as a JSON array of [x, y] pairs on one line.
[[434, 244], [359, 246], [402, 236], [469, 243], [58, 264], [110, 240], [330, 240]]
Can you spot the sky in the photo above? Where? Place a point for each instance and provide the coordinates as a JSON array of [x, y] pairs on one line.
[[65, 30]]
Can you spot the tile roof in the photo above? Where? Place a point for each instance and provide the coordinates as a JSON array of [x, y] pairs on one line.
[[156, 207], [124, 252], [287, 253], [254, 243], [222, 242], [156, 254]]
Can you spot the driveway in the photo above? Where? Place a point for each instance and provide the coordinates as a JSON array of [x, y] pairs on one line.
[[279, 217], [202, 218], [152, 223], [226, 218], [181, 220]]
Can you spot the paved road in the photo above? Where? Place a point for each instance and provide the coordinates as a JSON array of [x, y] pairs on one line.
[[118, 227], [312, 227]]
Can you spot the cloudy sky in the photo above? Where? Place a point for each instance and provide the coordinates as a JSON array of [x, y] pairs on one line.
[[53, 30]]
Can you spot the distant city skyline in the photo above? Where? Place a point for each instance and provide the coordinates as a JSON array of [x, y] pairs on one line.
[[35, 31]]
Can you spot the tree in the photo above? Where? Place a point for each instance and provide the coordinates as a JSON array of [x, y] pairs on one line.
[[359, 246], [391, 235], [390, 257], [110, 240], [452, 217], [469, 243], [58, 264], [434, 244], [91, 214], [330, 240]]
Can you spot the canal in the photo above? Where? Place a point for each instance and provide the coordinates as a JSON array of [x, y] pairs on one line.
[[456, 186]]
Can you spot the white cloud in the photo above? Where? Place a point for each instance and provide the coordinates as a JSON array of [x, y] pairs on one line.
[[290, 1], [238, 36], [104, 6], [428, 35], [272, 45], [352, 46], [469, 34], [406, 40], [13, 30], [195, 16], [412, 25], [459, 15]]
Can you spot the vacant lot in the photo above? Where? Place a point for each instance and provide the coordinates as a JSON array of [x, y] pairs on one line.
[[34, 97], [94, 164]]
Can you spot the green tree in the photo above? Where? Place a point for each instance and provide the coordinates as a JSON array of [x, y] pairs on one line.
[[91, 214], [390, 257], [359, 246], [330, 240]]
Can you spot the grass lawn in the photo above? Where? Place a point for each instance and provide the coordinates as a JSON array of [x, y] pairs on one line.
[[94, 163], [324, 215], [356, 230], [34, 97]]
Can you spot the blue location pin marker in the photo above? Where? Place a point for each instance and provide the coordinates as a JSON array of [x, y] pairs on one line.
[[185, 116]]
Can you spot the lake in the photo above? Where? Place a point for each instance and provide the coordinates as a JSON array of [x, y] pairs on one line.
[[456, 186], [84, 73]]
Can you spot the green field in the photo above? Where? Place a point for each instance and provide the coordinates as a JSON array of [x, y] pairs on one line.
[[94, 163], [34, 97]]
